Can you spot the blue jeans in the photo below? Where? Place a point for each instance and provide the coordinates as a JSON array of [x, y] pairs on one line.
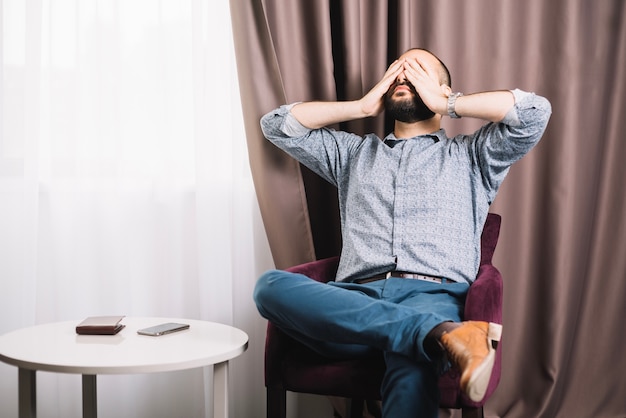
[[343, 320]]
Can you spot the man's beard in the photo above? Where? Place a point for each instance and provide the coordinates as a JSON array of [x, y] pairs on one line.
[[408, 109]]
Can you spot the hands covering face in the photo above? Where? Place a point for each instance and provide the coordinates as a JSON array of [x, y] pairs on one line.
[[423, 80], [403, 100]]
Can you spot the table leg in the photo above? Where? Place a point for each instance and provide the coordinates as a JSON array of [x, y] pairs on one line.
[[27, 393], [220, 390], [90, 396]]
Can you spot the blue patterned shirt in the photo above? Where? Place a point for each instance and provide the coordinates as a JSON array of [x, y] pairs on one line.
[[418, 204]]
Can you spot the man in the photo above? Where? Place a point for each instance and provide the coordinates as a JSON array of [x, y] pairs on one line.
[[412, 211]]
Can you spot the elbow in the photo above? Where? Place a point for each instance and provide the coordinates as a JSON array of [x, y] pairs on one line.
[[544, 111]]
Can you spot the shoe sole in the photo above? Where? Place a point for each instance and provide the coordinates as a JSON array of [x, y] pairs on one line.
[[479, 381]]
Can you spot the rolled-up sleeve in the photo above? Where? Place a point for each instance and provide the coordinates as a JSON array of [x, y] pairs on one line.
[[325, 150], [280, 123], [499, 145]]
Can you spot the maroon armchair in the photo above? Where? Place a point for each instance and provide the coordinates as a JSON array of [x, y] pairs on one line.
[[290, 366]]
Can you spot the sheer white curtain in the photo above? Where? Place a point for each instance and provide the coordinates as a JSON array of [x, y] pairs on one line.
[[125, 188]]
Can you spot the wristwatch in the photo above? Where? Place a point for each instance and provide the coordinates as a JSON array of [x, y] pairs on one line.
[[451, 102]]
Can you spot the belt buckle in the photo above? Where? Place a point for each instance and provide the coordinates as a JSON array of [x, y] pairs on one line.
[[387, 275]]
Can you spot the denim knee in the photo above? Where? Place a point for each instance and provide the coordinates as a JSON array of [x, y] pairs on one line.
[[263, 288]]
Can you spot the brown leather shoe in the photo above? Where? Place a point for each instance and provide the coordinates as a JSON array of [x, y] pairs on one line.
[[471, 349]]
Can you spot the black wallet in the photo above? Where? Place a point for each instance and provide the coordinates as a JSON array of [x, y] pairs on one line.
[[100, 325]]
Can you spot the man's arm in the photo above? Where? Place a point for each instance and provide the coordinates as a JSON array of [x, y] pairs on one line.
[[314, 115], [491, 106]]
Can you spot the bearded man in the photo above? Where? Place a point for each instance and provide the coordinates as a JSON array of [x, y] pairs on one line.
[[412, 207]]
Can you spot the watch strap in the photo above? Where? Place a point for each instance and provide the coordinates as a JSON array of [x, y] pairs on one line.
[[451, 105]]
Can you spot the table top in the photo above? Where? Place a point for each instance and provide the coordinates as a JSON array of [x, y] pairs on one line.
[[56, 347]]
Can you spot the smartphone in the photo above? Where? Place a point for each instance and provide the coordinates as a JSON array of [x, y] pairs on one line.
[[163, 329]]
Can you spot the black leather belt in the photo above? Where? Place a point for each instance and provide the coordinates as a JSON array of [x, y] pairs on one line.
[[403, 275]]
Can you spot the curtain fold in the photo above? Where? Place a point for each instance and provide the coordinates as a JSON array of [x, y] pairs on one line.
[[274, 173], [563, 234]]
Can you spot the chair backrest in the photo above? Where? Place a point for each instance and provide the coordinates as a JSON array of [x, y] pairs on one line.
[[489, 238]]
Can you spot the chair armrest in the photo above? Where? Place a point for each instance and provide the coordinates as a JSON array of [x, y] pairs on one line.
[[323, 270], [484, 303], [277, 343], [484, 298]]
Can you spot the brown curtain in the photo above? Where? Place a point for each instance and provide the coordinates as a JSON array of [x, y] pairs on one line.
[[562, 249]]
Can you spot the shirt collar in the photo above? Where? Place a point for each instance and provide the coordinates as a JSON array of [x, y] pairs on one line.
[[437, 136]]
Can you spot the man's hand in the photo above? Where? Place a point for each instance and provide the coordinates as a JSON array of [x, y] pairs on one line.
[[425, 80], [373, 102]]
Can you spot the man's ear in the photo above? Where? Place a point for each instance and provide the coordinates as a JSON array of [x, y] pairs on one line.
[[446, 89]]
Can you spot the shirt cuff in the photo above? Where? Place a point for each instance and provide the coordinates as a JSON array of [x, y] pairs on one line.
[[512, 117], [291, 127]]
